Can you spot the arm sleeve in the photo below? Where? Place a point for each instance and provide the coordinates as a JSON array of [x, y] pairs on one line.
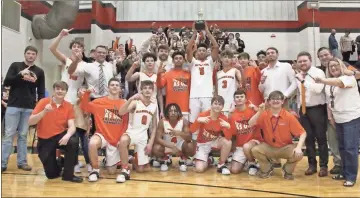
[[295, 127], [40, 106], [13, 76], [71, 114], [194, 126], [348, 81], [41, 86], [85, 104]]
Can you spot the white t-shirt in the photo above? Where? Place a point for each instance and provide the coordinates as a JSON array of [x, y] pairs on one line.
[[202, 78], [74, 81], [346, 100]]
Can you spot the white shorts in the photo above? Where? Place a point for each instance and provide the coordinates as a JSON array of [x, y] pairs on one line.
[[239, 154], [203, 149], [112, 152], [140, 143], [178, 146], [198, 105]]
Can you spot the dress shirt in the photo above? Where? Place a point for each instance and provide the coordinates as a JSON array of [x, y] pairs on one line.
[[281, 77], [314, 92], [91, 72]]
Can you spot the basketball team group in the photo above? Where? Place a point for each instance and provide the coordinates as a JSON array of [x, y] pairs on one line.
[[191, 101]]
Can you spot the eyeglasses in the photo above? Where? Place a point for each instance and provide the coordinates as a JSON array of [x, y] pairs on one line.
[[275, 99]]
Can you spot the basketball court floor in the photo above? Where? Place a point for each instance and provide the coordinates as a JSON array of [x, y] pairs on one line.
[[18, 183]]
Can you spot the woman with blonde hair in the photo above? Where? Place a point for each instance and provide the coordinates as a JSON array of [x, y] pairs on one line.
[[344, 112]]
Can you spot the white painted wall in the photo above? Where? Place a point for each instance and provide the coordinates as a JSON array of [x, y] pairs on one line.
[[100, 37], [309, 40], [14, 43], [340, 4], [213, 10], [324, 37]]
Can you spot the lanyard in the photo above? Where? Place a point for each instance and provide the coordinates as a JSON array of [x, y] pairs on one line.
[[274, 127], [332, 96]]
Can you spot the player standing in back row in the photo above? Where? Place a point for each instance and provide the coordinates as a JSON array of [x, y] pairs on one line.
[[202, 70]]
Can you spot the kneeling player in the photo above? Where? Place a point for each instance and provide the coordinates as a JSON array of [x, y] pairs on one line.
[[246, 137], [109, 124], [173, 137], [144, 113], [210, 124]]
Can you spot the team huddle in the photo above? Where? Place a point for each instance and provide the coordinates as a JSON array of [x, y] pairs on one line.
[[188, 105]]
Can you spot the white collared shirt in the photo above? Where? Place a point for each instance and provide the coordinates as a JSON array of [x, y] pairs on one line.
[[314, 92], [281, 77], [92, 71]]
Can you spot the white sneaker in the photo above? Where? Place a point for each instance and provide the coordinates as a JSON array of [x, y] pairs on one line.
[[93, 176], [89, 167], [156, 164], [223, 170], [81, 165], [183, 168], [253, 170], [77, 168], [123, 176], [164, 167]]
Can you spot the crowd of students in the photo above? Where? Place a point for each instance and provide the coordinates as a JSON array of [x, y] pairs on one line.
[[185, 97]]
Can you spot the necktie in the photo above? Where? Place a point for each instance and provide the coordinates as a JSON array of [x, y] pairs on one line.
[[102, 81], [303, 98]]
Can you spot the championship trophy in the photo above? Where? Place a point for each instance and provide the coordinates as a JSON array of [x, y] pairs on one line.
[[200, 23]]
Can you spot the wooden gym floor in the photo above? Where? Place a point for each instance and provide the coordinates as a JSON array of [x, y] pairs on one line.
[[18, 183]]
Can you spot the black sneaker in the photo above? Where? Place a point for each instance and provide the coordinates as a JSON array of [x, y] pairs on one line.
[[335, 170]]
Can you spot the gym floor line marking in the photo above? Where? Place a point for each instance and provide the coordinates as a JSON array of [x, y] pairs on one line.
[[191, 184]]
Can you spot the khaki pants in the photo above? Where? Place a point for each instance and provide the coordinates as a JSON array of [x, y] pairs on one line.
[[263, 152]]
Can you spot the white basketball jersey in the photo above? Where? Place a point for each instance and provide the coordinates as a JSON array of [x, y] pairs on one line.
[[141, 118], [202, 78], [178, 127], [152, 78], [226, 85]]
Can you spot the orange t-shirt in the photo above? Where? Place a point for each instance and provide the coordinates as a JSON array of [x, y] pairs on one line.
[[108, 122], [177, 84], [239, 121], [210, 131], [279, 131], [54, 122], [252, 77]]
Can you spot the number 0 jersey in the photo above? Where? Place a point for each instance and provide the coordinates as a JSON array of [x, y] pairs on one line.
[[141, 118]]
